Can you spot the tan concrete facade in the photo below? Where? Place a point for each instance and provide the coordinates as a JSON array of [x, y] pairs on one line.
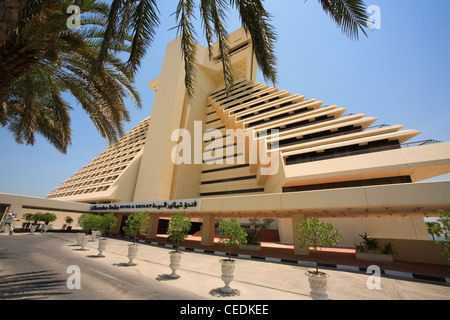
[[24, 204], [336, 166]]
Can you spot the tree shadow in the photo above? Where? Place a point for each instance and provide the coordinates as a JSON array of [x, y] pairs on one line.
[[31, 285], [218, 293], [5, 254]]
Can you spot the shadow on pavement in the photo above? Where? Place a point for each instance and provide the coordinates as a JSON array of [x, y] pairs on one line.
[[31, 285]]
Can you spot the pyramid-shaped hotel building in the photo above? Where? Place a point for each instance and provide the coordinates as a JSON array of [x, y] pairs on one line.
[[323, 161]]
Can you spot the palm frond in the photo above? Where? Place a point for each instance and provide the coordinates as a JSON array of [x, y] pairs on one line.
[[256, 21], [218, 17], [53, 59], [110, 31], [205, 12], [144, 22], [350, 15], [184, 15]]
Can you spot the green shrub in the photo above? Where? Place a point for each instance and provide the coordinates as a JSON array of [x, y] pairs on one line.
[[316, 234], [136, 223], [106, 223], [179, 228], [232, 235]]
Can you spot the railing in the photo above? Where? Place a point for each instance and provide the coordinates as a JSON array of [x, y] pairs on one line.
[[362, 151], [420, 143], [378, 126]]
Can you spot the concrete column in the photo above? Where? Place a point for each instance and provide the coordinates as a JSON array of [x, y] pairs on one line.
[[152, 229], [119, 223], [297, 219], [208, 230]]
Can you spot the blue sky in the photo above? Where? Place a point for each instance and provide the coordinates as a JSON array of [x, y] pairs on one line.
[[399, 74]]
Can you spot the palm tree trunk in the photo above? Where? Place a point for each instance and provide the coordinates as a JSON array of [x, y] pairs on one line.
[[13, 64], [10, 13]]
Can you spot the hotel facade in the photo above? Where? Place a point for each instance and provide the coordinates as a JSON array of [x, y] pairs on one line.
[[299, 158]]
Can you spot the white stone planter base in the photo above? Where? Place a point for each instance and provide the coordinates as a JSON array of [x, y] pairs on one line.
[[83, 243], [102, 247], [175, 258], [132, 253], [79, 236], [33, 229], [227, 275], [318, 285]]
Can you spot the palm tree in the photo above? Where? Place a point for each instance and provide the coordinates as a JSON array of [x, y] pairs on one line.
[[350, 16], [44, 59], [40, 58]]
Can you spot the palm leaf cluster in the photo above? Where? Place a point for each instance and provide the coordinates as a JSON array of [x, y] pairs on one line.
[[43, 61], [42, 58], [143, 17]]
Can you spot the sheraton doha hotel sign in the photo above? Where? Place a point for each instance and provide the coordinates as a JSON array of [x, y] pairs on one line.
[[164, 206]]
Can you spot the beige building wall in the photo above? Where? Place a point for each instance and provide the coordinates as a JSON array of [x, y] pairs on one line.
[[408, 228], [186, 177], [156, 170]]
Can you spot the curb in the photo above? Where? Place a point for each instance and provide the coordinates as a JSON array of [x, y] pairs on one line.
[[347, 268]]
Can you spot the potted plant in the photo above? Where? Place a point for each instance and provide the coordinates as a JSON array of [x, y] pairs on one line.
[[87, 223], [178, 231], [105, 224], [28, 218], [232, 235], [69, 221], [444, 220], [135, 224], [47, 218], [316, 234], [37, 217], [252, 242], [370, 250]]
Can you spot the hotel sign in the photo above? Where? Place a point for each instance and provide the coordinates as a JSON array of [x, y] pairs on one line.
[[151, 206]]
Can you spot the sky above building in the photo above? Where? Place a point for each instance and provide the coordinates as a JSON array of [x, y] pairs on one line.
[[398, 74]]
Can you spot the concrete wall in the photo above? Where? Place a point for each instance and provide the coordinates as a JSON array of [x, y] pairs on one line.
[[25, 204], [60, 217], [421, 251]]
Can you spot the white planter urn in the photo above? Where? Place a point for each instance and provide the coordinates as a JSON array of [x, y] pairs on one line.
[[94, 234], [175, 258], [102, 247], [318, 285], [132, 252], [227, 274], [33, 229], [84, 241], [79, 236]]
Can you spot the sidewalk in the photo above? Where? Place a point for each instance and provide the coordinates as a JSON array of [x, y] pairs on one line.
[[270, 278]]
